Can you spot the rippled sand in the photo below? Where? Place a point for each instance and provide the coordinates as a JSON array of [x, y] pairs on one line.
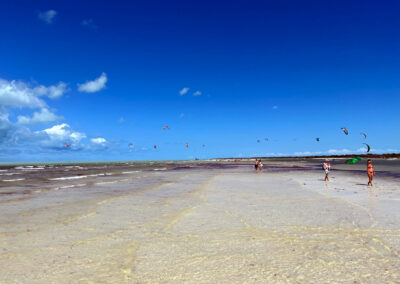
[[206, 226]]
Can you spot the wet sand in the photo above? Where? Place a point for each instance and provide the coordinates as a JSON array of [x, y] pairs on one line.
[[201, 225]]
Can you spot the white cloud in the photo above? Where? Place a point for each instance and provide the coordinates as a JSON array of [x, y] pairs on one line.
[[197, 93], [18, 138], [121, 120], [44, 116], [18, 94], [95, 85], [63, 132], [98, 140], [339, 151], [307, 153], [53, 92], [47, 16], [88, 23], [183, 91]]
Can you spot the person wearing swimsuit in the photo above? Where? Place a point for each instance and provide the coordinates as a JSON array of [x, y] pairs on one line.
[[327, 169], [370, 171], [256, 165], [260, 165]]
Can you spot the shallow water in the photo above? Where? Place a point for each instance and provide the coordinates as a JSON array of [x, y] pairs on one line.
[[197, 223]]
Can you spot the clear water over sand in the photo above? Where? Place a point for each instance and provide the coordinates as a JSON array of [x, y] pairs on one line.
[[197, 223]]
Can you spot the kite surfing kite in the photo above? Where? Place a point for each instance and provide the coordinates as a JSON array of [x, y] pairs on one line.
[[155, 146], [345, 130], [365, 135], [166, 127], [130, 144], [317, 139], [187, 144], [258, 141], [368, 147], [203, 145], [266, 139], [66, 145], [353, 161]]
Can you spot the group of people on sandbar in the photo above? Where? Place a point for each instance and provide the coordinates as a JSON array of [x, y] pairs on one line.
[[370, 170], [258, 165]]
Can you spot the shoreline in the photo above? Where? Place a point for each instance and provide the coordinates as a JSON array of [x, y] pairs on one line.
[[227, 159]]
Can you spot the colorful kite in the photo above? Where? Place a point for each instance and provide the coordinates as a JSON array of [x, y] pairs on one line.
[[353, 161], [368, 147], [345, 130]]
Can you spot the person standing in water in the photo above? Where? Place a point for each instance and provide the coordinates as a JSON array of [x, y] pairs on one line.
[[256, 165], [327, 169], [370, 171], [260, 165]]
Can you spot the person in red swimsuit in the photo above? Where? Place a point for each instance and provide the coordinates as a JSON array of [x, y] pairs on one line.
[[370, 171]]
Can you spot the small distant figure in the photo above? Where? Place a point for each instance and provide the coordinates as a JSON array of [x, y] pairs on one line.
[[327, 169], [370, 172], [256, 165], [260, 166]]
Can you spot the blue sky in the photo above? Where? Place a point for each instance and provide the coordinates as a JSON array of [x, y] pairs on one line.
[[99, 75]]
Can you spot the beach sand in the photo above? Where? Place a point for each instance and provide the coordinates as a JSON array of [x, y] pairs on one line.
[[205, 225]]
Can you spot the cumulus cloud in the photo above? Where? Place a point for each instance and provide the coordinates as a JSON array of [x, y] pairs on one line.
[[19, 94], [63, 133], [44, 116], [183, 91], [99, 140], [53, 92], [95, 85], [88, 23], [47, 16], [21, 138], [197, 93], [17, 138]]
